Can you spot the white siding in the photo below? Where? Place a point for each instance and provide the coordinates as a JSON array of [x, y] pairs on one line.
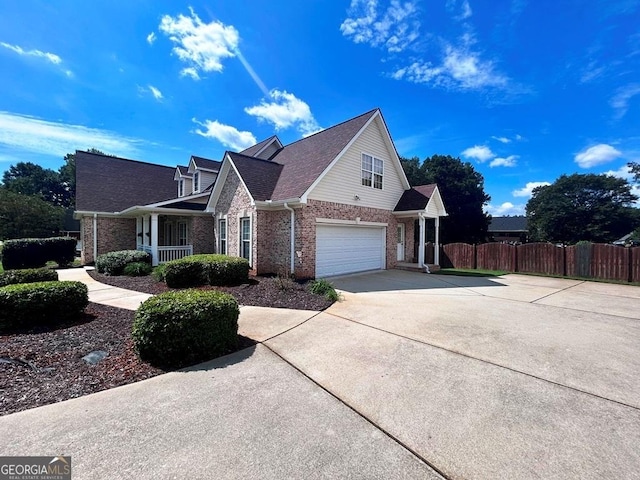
[[270, 150], [343, 182], [206, 179]]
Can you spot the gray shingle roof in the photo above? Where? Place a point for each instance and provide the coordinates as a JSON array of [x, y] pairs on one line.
[[207, 164], [183, 170], [112, 184], [260, 176], [305, 160], [508, 224], [416, 198], [253, 150]]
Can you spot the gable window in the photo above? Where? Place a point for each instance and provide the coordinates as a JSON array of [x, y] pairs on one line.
[[181, 187], [196, 182], [372, 170], [183, 237], [245, 238], [222, 236]]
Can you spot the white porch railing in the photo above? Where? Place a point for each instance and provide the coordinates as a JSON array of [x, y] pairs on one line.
[[168, 253]]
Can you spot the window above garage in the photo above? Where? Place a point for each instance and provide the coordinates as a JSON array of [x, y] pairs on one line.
[[372, 171]]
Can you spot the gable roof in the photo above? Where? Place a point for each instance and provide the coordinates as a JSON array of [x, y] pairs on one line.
[[258, 147], [259, 176], [415, 198], [305, 160], [205, 163], [112, 184], [183, 170], [508, 224]]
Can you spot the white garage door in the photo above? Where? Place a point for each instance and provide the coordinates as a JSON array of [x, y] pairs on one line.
[[348, 249]]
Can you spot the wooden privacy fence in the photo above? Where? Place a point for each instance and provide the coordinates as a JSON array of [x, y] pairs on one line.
[[588, 260]]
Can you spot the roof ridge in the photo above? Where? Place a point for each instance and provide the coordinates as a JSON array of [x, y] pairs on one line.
[[332, 127], [254, 158], [124, 159]]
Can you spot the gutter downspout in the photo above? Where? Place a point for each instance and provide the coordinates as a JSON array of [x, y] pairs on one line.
[[293, 236], [95, 237]]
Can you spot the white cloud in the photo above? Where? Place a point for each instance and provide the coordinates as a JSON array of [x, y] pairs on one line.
[[460, 69], [509, 161], [50, 57], [480, 152], [597, 155], [507, 208], [393, 28], [620, 101], [29, 134], [157, 94], [285, 110], [201, 45], [151, 38], [519, 137], [527, 190], [226, 134], [502, 139], [190, 72]]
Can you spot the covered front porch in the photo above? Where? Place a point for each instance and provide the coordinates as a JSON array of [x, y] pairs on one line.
[[165, 237], [173, 230], [418, 222]]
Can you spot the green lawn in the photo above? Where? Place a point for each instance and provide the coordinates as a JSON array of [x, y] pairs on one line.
[[470, 272]]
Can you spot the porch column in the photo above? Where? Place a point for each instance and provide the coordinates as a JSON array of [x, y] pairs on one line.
[[436, 253], [421, 242], [154, 239], [139, 230]]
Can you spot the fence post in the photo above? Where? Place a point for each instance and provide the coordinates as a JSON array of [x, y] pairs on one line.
[[630, 264], [515, 259], [475, 257], [564, 260]]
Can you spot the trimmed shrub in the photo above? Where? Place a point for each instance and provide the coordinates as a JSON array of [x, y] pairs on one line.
[[158, 273], [177, 329], [137, 269], [36, 252], [27, 275], [326, 289], [113, 263], [26, 305], [212, 269]]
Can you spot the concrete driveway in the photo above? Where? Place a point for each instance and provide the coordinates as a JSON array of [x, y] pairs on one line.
[[411, 376]]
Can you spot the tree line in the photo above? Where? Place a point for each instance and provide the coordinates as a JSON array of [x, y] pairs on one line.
[[34, 200]]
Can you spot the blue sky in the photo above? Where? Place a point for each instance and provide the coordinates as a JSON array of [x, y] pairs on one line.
[[525, 90]]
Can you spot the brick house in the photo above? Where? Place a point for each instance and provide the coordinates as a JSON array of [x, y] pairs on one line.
[[333, 203]]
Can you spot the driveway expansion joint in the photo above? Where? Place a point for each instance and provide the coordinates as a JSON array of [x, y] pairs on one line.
[[385, 432], [489, 362], [556, 292]]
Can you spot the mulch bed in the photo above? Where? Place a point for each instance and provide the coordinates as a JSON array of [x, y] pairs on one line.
[[260, 291], [45, 365]]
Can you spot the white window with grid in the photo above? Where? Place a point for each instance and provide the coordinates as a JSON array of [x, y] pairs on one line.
[[372, 171]]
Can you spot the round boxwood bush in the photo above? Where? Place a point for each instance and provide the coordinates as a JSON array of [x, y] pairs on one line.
[[27, 275], [113, 263], [27, 305], [177, 329], [137, 269]]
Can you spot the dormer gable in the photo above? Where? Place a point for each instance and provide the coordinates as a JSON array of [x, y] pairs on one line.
[[184, 180], [264, 150], [203, 172]]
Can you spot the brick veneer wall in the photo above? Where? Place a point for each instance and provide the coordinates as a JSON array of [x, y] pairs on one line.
[[234, 202], [306, 238], [202, 234], [113, 234]]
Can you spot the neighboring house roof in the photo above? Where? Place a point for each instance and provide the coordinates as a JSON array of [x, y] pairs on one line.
[[415, 198], [260, 176], [112, 184], [508, 224], [205, 163], [255, 149], [305, 160]]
